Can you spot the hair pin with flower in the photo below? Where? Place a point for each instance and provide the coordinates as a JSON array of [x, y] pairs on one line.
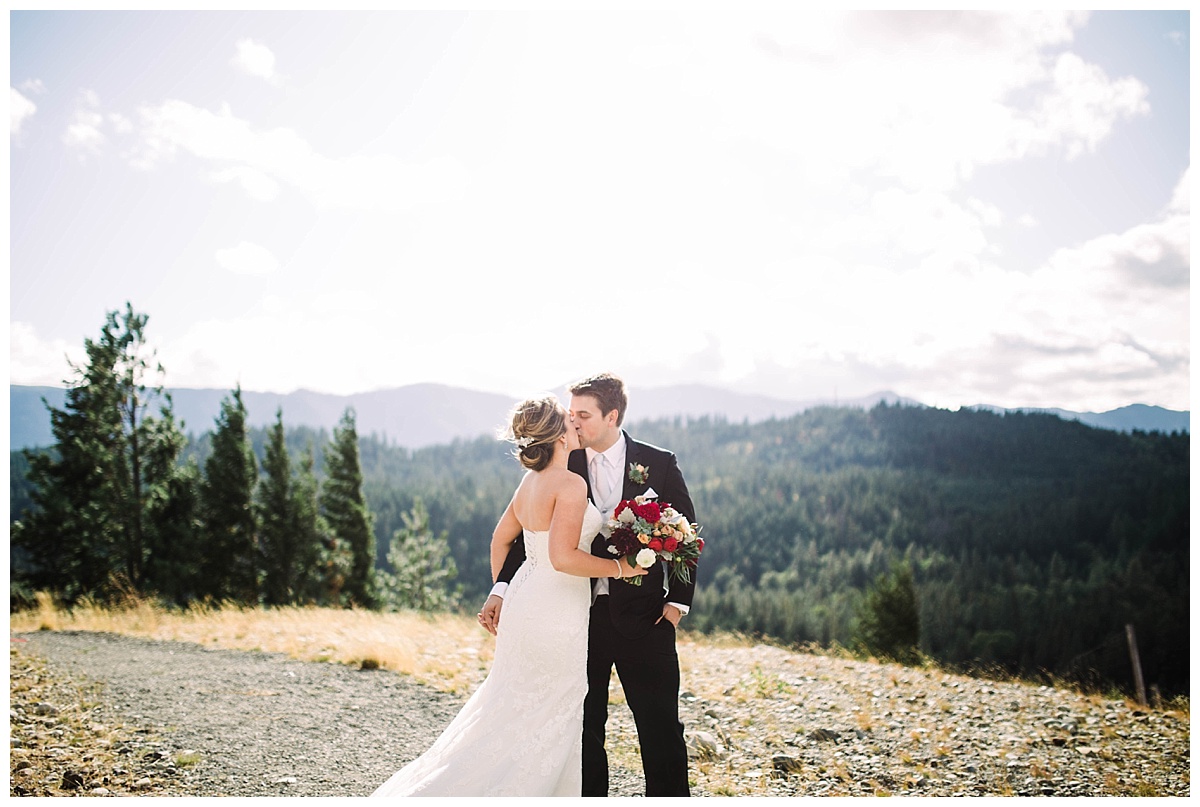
[[523, 442]]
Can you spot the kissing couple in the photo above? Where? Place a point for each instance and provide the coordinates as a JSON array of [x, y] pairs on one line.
[[563, 618]]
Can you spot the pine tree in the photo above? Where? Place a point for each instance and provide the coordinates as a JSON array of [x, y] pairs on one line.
[[345, 510], [422, 568], [92, 531], [322, 560], [69, 539], [889, 624], [230, 569], [174, 567], [277, 519]]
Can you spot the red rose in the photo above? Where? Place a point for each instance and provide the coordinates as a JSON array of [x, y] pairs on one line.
[[648, 511], [670, 544], [699, 544], [655, 544]]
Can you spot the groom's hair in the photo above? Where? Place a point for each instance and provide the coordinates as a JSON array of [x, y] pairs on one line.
[[607, 389]]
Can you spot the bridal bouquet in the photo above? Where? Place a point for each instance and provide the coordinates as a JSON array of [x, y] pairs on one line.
[[644, 532]]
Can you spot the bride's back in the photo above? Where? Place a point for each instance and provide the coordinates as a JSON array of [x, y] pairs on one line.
[[534, 501]]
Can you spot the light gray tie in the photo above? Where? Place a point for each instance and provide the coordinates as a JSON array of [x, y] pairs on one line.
[[600, 476]]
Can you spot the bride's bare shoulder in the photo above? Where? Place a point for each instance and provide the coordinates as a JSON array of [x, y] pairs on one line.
[[567, 481]]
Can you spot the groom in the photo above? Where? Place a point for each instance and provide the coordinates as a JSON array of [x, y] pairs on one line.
[[632, 627]]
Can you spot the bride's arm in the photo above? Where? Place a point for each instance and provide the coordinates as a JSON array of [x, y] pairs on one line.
[[506, 532], [565, 525]]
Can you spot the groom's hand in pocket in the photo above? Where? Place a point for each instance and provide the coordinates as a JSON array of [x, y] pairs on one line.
[[489, 615], [671, 614]]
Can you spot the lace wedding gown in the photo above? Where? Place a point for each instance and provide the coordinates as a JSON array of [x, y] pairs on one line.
[[521, 733]]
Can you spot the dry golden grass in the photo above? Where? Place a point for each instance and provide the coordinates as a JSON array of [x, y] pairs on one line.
[[453, 653], [446, 651], [450, 652]]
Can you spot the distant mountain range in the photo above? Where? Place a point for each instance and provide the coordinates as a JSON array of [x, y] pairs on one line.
[[1138, 417], [428, 414]]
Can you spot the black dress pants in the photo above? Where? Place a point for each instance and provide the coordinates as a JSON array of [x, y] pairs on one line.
[[648, 668]]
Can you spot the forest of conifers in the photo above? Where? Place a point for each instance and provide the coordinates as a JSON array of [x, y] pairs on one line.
[[1032, 541]]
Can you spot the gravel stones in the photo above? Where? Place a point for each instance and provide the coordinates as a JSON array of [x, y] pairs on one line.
[[174, 718], [860, 728]]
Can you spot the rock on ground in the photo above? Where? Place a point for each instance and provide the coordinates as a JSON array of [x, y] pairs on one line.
[[101, 714]]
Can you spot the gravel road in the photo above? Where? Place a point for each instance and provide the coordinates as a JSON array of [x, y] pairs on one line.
[[262, 724], [200, 721]]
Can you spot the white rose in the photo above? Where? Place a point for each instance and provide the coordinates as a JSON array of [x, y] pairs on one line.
[[646, 558], [627, 516]]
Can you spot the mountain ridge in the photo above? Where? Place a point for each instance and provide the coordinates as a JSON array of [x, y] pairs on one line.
[[424, 414]]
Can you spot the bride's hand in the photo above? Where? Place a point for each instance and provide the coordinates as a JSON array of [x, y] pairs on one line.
[[489, 615], [627, 570]]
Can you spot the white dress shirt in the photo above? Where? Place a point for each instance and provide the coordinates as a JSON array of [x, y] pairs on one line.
[[602, 475]]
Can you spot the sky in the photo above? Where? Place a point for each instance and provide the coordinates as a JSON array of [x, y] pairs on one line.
[[961, 208]]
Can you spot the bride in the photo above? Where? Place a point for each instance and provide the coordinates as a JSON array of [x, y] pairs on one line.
[[521, 733]]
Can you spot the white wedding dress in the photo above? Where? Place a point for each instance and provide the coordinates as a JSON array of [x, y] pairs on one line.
[[521, 733]]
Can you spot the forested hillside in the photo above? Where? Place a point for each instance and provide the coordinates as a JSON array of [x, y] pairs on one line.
[[1032, 540]]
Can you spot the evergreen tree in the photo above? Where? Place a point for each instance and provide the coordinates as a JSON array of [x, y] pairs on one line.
[[422, 569], [230, 569], [278, 538], [322, 559], [69, 536], [345, 510], [177, 550], [1036, 540], [91, 532], [889, 625]]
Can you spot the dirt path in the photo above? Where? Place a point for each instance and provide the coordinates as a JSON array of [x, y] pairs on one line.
[[101, 713]]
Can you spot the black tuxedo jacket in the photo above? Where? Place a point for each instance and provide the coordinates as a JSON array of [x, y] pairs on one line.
[[634, 609]]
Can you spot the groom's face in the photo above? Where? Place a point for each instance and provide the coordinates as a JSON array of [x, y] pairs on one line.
[[595, 429]]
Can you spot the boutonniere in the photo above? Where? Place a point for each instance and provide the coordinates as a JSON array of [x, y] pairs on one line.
[[638, 474]]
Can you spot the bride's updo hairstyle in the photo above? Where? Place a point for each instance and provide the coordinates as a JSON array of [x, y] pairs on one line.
[[536, 425]]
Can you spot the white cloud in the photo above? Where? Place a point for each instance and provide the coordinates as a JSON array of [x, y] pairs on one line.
[[37, 361], [213, 352], [1084, 105], [1181, 199], [1100, 325], [248, 259], [120, 123], [84, 133], [925, 222], [925, 99], [20, 109], [259, 158], [1103, 322], [33, 86], [256, 184], [796, 186], [255, 59]]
